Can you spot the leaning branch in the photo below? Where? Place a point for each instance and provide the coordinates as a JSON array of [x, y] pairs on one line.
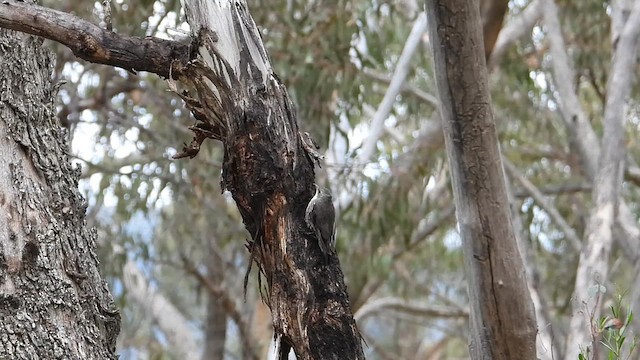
[[89, 42]]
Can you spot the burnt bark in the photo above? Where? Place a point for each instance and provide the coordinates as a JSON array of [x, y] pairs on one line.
[[502, 318], [54, 303], [233, 93], [270, 175]]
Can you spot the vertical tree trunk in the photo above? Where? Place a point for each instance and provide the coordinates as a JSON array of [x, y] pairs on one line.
[[53, 302], [216, 321], [502, 317], [593, 267]]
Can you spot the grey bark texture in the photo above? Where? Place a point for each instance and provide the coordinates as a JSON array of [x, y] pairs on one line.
[[502, 318], [54, 303]]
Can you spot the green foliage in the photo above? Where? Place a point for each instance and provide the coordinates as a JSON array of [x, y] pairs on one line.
[[612, 331]]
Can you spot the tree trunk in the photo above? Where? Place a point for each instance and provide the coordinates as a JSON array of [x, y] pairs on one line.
[[502, 317], [53, 302], [175, 326], [593, 267], [216, 321], [270, 175]]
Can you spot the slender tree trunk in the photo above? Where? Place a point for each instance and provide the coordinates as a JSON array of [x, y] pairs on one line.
[[502, 317], [216, 321], [53, 302], [169, 319]]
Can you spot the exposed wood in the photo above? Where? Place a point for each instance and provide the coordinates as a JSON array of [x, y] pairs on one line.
[[270, 176], [89, 42], [238, 100], [502, 317]]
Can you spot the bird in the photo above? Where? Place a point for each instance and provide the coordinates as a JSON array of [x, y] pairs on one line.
[[320, 217]]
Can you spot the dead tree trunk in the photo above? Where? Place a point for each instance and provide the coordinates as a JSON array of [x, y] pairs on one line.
[[270, 174], [502, 317], [53, 302], [229, 86]]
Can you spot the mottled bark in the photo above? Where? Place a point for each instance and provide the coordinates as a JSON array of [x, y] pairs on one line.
[[502, 317], [53, 302]]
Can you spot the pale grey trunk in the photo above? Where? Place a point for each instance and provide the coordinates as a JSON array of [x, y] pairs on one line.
[[593, 266], [53, 302], [169, 319]]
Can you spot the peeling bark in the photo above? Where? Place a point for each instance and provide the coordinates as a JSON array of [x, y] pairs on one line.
[[270, 176], [53, 302]]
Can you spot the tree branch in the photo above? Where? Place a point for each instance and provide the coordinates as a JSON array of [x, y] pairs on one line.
[[551, 210], [173, 323], [514, 30], [408, 307], [229, 306], [399, 76], [89, 42]]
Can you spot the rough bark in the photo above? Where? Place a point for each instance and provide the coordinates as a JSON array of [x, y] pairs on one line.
[[53, 302], [237, 99], [502, 317]]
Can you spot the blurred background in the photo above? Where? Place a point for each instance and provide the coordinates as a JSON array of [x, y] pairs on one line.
[[360, 73]]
